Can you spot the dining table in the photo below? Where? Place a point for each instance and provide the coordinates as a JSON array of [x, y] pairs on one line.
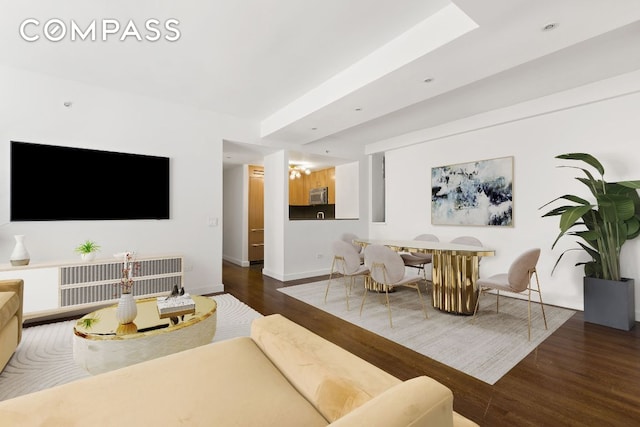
[[456, 269]]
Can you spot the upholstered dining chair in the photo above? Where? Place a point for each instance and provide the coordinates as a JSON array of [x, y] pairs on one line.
[[517, 280], [469, 241], [419, 260], [346, 262], [349, 238], [387, 269]]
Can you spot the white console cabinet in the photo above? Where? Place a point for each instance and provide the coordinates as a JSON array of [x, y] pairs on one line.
[[51, 288]]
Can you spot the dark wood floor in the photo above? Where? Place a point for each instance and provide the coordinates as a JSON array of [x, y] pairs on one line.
[[583, 375]]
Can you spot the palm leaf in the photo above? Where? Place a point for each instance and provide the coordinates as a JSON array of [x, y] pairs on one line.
[[615, 207], [613, 219], [587, 158], [569, 197], [571, 216], [633, 227], [630, 184]]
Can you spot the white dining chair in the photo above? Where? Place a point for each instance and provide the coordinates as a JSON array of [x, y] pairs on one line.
[[387, 269], [346, 262], [419, 260], [349, 238], [517, 280]]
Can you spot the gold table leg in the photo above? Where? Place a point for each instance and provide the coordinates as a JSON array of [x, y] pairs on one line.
[[454, 282]]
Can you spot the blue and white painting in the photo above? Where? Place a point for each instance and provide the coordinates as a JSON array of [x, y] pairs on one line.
[[474, 193]]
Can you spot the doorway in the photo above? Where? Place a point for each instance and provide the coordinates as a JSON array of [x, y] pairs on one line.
[[256, 214]]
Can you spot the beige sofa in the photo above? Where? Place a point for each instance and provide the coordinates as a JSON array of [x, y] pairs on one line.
[[11, 299], [283, 375]]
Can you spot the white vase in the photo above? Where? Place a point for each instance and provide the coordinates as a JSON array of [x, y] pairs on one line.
[[88, 257], [19, 256], [127, 310]]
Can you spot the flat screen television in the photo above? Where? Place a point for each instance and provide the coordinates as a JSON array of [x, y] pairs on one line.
[[53, 183]]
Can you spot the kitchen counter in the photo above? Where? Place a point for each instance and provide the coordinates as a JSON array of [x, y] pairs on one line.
[[314, 212]]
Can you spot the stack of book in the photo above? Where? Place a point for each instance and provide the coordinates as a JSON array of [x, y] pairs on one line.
[[175, 306]]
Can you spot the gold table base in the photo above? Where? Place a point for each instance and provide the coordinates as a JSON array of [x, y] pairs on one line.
[[454, 282], [455, 271]]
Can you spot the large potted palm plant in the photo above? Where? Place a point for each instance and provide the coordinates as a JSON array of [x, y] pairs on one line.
[[602, 227]]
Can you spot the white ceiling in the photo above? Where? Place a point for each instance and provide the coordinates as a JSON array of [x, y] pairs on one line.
[[301, 68]]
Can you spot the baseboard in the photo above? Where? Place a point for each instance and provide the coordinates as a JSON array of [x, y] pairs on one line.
[[296, 276], [273, 275], [236, 261], [203, 290]]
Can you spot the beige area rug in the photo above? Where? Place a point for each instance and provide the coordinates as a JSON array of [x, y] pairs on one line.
[[44, 357], [486, 349]]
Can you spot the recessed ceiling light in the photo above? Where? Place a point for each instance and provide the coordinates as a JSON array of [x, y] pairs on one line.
[[550, 26], [67, 104], [358, 108], [314, 128], [428, 80]]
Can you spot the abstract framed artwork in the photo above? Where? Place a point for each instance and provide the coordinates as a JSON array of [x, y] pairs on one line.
[[474, 193]]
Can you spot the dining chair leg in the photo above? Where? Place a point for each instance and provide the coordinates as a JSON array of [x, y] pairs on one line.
[[529, 308], [424, 307], [475, 310], [544, 317], [386, 291], [333, 264], [347, 290], [364, 297], [540, 296], [497, 300]]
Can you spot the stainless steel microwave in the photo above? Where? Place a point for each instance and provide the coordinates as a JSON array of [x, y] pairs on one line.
[[319, 196]]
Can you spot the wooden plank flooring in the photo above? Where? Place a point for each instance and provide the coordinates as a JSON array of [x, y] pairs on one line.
[[583, 375]]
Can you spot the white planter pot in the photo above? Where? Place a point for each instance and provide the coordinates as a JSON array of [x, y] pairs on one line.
[[88, 257]]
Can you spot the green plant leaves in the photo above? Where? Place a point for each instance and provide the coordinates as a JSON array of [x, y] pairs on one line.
[[612, 220], [571, 215], [587, 158], [615, 207], [87, 247]]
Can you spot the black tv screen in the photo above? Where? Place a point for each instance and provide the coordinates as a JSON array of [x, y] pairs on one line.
[[53, 183]]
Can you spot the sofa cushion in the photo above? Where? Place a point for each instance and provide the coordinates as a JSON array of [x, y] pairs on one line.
[[9, 306], [331, 378], [229, 383]]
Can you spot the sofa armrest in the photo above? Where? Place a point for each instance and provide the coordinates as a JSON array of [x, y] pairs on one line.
[[334, 380], [420, 401], [17, 286]]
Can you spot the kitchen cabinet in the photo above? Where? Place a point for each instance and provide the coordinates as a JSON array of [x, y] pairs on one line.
[[331, 183], [256, 213], [299, 188], [298, 194]]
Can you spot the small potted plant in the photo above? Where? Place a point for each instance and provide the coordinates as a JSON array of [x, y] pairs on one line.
[[87, 250]]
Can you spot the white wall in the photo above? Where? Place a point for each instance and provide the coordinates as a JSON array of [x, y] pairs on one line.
[[235, 210], [348, 191], [32, 110], [601, 119], [307, 243], [294, 249], [276, 212]]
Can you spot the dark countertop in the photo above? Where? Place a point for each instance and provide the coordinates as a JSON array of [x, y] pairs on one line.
[[312, 212]]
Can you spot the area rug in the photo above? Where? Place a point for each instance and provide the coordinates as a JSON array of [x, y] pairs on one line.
[[44, 357], [485, 349]]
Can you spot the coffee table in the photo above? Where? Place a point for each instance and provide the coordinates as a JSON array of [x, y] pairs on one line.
[[100, 344]]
